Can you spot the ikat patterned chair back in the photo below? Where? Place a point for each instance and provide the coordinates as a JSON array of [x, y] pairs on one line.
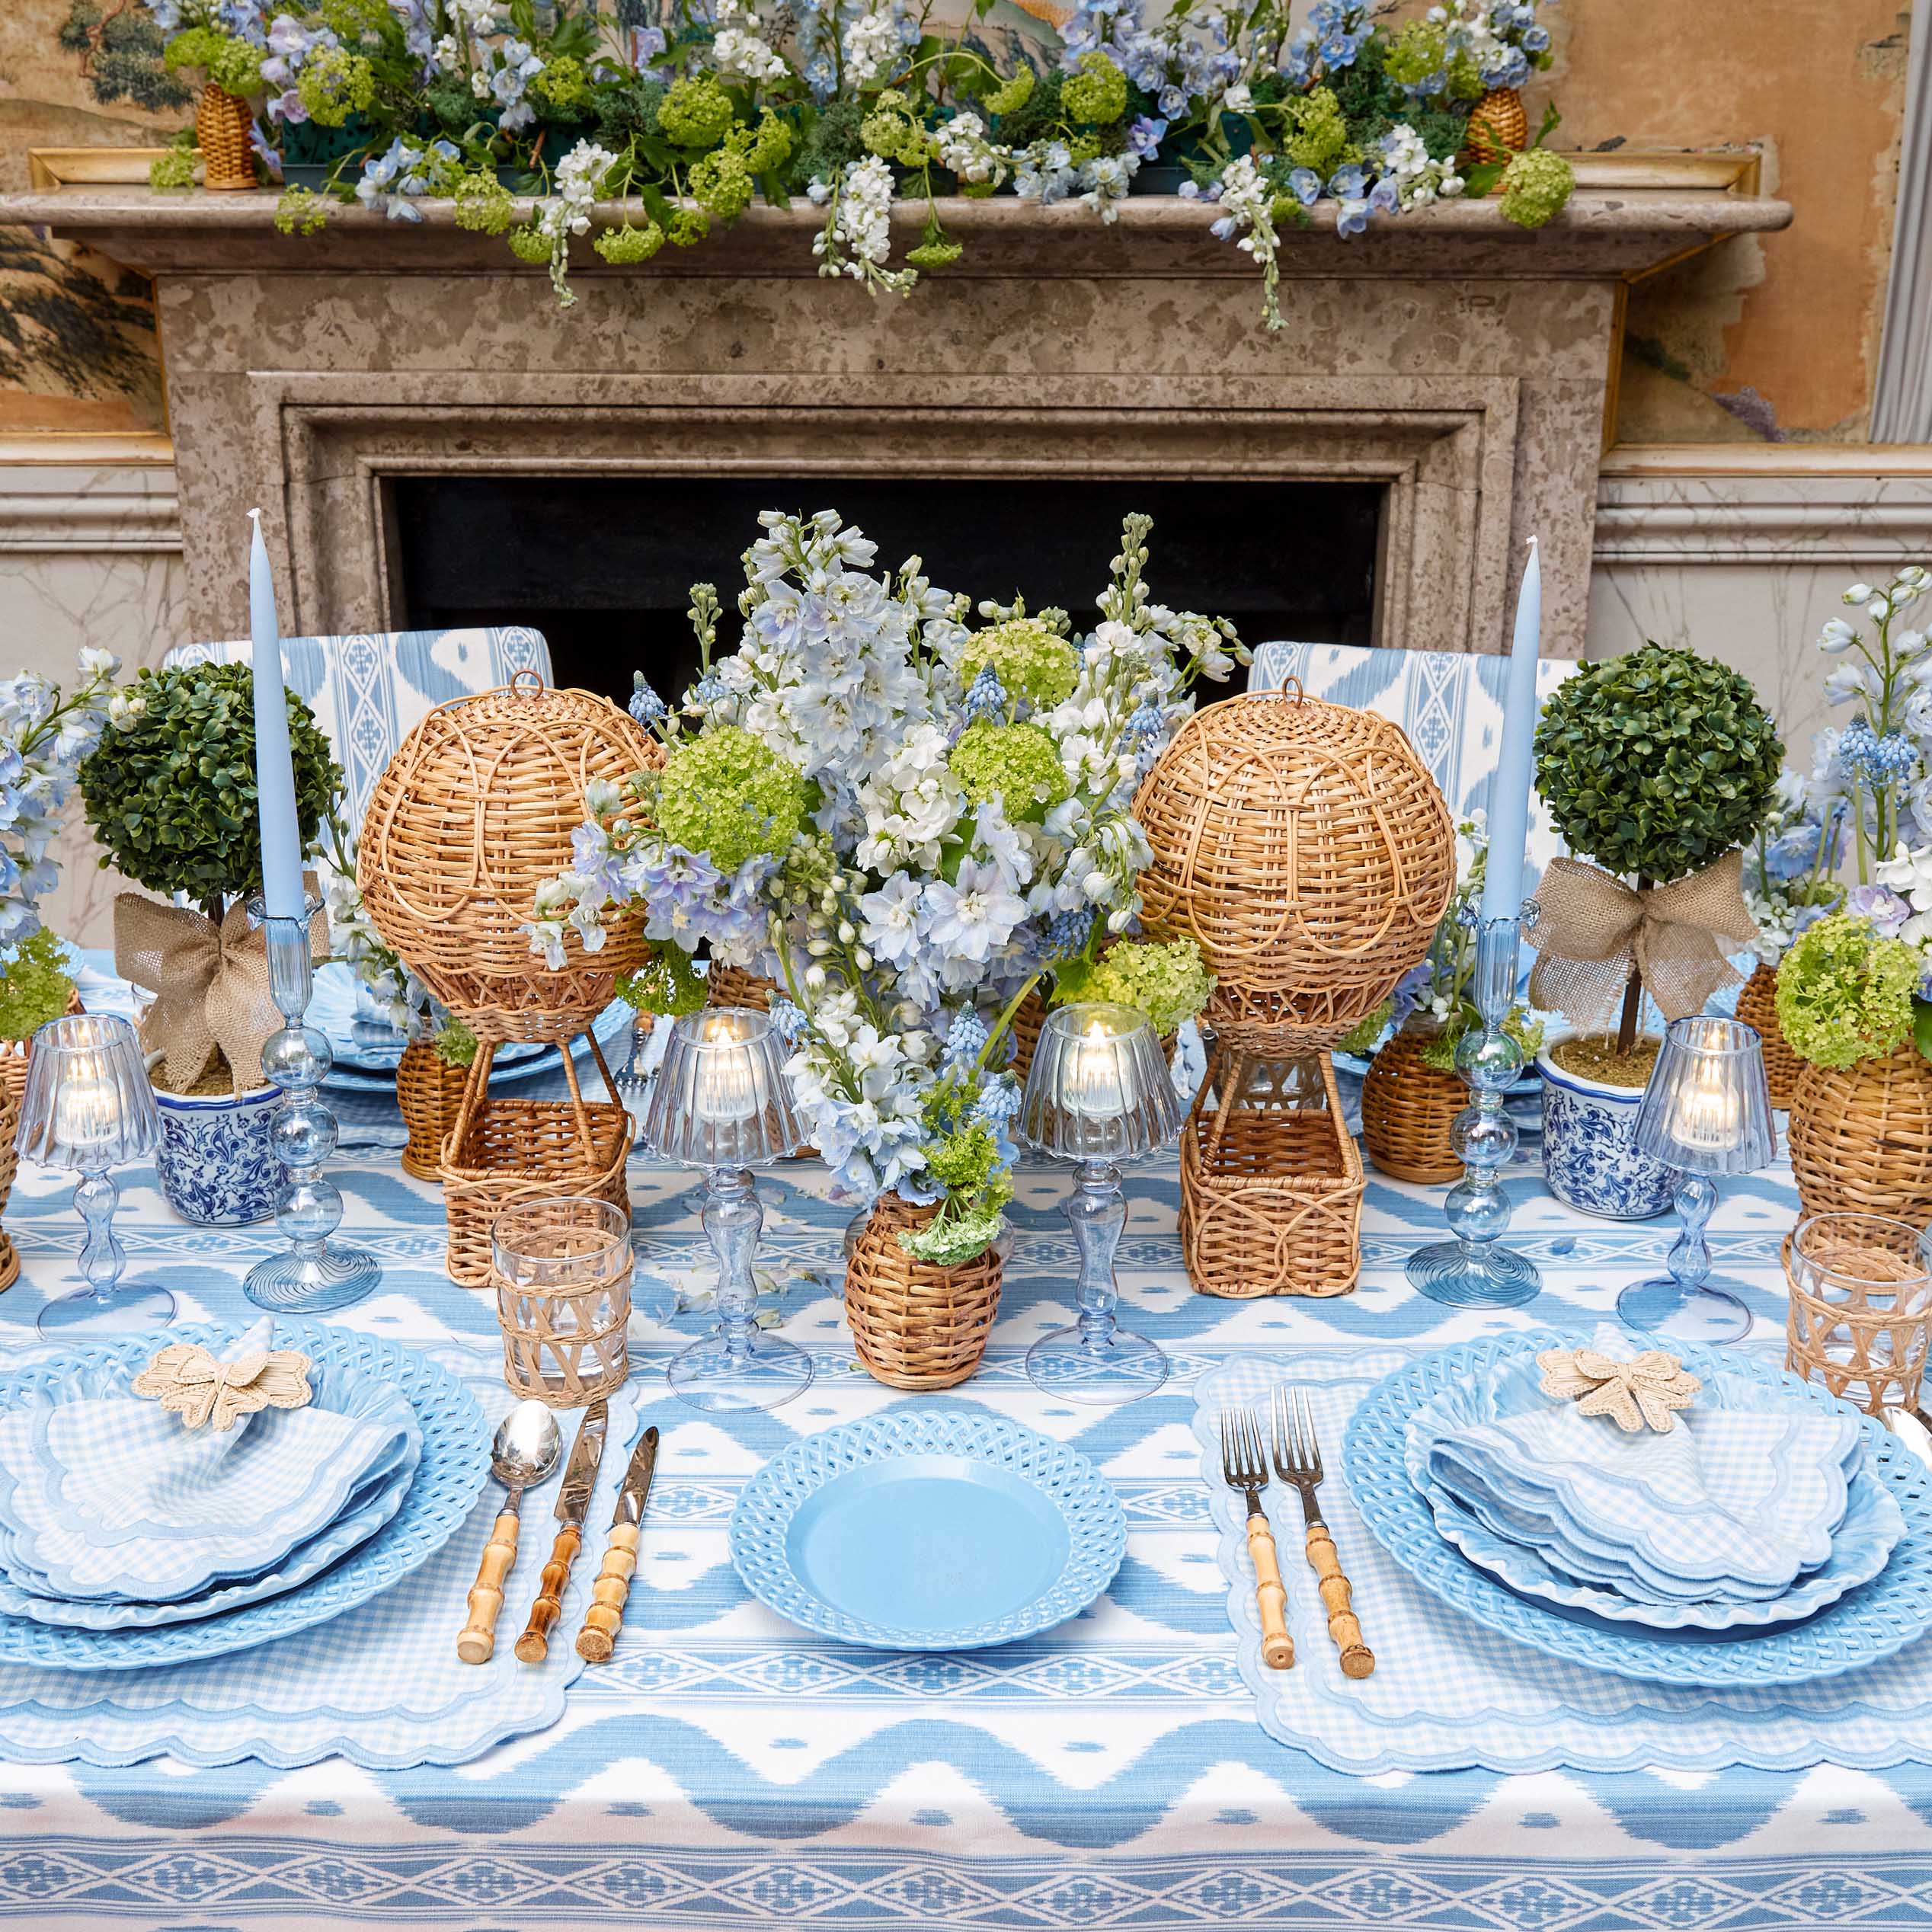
[[369, 688], [1449, 702]]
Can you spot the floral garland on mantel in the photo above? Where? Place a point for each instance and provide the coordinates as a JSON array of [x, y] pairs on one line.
[[853, 104]]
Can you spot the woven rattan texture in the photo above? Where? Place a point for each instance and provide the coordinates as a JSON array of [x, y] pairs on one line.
[[1407, 1112], [916, 1326], [1758, 1006], [430, 1092], [732, 986], [1305, 847], [474, 812], [221, 122], [1861, 1137], [1498, 126], [1860, 1345], [1271, 1191]]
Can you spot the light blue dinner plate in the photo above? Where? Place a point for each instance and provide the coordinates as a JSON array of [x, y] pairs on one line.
[[1867, 1623], [518, 1061], [928, 1530], [448, 1479]]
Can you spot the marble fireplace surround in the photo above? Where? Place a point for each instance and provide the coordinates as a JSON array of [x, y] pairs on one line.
[[1459, 362]]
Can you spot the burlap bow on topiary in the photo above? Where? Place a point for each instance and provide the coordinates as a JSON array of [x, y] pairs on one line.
[[1591, 928], [210, 984]]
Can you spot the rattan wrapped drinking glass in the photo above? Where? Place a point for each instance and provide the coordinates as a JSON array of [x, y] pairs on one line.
[[1860, 1316], [563, 1280]]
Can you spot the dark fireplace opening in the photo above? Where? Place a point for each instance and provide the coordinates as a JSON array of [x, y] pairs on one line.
[[603, 565]]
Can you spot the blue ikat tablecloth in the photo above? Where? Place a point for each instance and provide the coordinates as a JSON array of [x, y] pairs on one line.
[[726, 1769]]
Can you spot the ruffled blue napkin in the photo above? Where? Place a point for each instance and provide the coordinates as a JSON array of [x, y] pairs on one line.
[[1732, 1504], [112, 1500]]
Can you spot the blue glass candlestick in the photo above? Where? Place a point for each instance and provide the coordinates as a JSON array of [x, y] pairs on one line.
[[1474, 1271], [316, 1274]]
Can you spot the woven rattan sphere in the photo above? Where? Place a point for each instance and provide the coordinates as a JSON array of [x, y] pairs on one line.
[[1305, 847], [474, 812]]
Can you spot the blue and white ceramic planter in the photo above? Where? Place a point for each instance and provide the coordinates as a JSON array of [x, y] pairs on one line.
[[1588, 1158], [216, 1164]]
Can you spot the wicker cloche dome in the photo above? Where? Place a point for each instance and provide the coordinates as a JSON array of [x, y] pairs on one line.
[[475, 812], [1305, 847]]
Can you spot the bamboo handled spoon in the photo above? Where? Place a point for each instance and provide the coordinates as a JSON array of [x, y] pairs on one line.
[[524, 1451]]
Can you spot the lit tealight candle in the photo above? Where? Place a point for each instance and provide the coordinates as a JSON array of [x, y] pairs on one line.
[[1094, 1090], [726, 1089], [87, 1107], [1709, 1116]]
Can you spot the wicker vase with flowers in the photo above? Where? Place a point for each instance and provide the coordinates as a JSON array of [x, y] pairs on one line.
[[222, 125], [1408, 1109], [1758, 1006], [917, 1325], [1498, 126], [430, 1092], [1861, 1136]]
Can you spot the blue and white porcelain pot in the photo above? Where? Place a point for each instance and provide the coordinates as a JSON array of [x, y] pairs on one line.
[[1588, 1156], [217, 1162]]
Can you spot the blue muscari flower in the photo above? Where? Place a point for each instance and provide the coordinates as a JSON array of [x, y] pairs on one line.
[[1066, 934], [789, 1020], [966, 1037], [710, 689], [645, 705], [986, 696]]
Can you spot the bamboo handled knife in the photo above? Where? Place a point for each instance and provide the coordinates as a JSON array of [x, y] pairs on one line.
[[605, 1616], [573, 1499]]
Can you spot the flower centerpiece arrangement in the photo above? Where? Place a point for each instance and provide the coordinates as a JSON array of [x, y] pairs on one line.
[[534, 119], [1412, 1092], [170, 795], [1854, 989], [1661, 766], [908, 822]]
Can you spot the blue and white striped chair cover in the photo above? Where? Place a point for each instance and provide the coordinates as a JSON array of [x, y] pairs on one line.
[[370, 689], [1449, 702]]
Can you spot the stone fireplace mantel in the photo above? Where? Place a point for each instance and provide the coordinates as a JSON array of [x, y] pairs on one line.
[[1459, 362]]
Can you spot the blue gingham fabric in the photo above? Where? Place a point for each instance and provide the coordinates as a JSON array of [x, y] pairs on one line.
[[111, 1496], [725, 1770]]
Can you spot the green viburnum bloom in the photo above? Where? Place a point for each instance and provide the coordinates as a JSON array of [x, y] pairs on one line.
[[667, 984], [1366, 1034], [619, 245], [455, 1044], [936, 255], [1319, 138], [689, 227], [230, 61], [1097, 93], [565, 84], [34, 986], [1034, 661], [1845, 994], [950, 1239], [1168, 982], [300, 212], [335, 84], [696, 113], [727, 795], [529, 243], [1416, 52], [1018, 764], [484, 204], [1010, 96], [1535, 185], [174, 171], [720, 183]]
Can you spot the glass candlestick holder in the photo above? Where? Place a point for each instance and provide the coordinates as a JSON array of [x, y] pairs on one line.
[[1475, 1270], [316, 1274]]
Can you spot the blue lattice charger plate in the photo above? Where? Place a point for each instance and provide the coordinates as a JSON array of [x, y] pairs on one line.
[[448, 1479], [928, 1530], [1861, 1627]]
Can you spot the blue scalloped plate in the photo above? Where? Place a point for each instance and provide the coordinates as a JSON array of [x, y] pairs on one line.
[[928, 1530], [455, 1460], [1861, 1627]]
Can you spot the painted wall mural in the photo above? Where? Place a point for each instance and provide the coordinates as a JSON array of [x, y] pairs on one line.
[[1761, 339]]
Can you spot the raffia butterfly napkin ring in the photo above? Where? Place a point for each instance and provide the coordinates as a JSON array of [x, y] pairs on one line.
[[185, 1377], [1640, 1393]]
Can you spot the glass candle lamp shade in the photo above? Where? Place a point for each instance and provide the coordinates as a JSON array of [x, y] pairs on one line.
[[1705, 1111], [89, 1107], [563, 1277], [722, 1098], [1098, 1088]]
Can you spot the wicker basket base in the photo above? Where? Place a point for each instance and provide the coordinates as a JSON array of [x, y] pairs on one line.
[[1408, 1109], [1861, 1137], [1271, 1181], [1758, 1006], [501, 1151], [916, 1326], [1498, 126], [430, 1092], [221, 122]]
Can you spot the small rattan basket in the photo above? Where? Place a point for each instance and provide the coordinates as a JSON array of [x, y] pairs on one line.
[[430, 1092], [1758, 1006], [732, 986], [1271, 1180], [1860, 1136], [221, 122], [499, 1152], [1408, 1109], [917, 1326], [1498, 126]]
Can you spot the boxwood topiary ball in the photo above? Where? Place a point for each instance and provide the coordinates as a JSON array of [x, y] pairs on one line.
[[1656, 763]]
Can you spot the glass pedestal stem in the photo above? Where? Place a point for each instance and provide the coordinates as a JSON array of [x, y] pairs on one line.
[[1475, 1270], [103, 1307], [1681, 1303], [316, 1274]]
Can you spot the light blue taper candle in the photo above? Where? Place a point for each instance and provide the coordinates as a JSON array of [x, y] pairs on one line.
[[281, 833], [1509, 796]]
